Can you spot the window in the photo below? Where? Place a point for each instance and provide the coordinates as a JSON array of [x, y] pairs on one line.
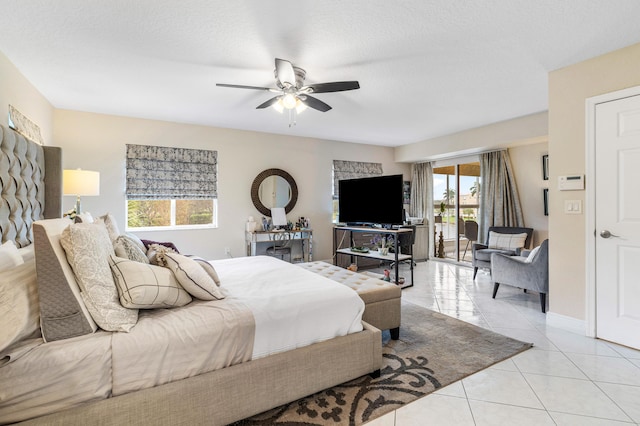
[[343, 169], [170, 188]]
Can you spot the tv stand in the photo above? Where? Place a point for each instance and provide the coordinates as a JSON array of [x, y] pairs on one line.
[[396, 257]]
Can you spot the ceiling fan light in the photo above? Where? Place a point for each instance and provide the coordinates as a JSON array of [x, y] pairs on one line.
[[278, 106], [300, 106], [289, 101]]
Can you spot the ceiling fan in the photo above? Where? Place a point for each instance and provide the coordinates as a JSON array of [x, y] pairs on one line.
[[292, 93]]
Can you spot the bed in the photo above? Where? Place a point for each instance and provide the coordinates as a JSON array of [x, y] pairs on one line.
[[278, 333]]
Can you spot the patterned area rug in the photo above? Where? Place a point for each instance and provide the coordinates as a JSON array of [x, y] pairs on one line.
[[434, 350]]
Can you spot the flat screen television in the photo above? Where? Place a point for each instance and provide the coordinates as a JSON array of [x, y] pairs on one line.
[[371, 201]]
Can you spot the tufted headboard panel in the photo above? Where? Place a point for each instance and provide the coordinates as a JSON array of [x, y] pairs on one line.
[[24, 185]]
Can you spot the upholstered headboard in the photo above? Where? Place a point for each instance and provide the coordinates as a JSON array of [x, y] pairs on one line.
[[31, 184]]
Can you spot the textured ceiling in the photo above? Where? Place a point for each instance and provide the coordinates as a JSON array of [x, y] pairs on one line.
[[426, 67]]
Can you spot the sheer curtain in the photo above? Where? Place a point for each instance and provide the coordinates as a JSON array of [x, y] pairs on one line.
[[422, 197], [499, 201]]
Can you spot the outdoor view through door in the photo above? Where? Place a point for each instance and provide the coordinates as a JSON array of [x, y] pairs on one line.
[[455, 201]]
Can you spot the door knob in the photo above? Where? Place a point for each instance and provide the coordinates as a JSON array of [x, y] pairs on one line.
[[607, 234]]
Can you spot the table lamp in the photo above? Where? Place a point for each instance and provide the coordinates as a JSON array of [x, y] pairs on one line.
[[80, 182]]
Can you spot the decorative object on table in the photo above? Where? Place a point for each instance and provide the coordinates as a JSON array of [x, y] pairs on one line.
[[79, 183], [265, 224], [382, 242], [71, 214], [387, 275], [252, 225], [360, 249], [278, 217]]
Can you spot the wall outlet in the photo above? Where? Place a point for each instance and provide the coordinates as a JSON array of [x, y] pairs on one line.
[[227, 250]]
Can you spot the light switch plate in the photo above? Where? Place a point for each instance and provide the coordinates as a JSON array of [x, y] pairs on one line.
[[573, 206]]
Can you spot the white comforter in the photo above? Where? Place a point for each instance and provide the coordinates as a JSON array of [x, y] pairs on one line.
[[292, 307]]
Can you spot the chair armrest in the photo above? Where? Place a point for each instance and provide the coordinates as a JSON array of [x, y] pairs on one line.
[[523, 252], [478, 246]]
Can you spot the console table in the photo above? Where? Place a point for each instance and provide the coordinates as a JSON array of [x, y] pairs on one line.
[[394, 257], [258, 241]]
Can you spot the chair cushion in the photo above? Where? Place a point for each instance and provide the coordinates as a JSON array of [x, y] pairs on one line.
[[485, 254]]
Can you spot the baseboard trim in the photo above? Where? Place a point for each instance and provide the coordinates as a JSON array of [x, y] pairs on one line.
[[571, 324]]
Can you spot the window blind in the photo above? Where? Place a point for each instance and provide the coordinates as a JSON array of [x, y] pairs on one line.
[[344, 169], [158, 172]]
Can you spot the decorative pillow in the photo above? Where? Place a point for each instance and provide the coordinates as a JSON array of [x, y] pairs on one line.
[[9, 256], [155, 254], [136, 240], [63, 313], [112, 226], [149, 243], [143, 286], [88, 248], [193, 277], [84, 217], [19, 310], [506, 241], [208, 267], [126, 247], [532, 254]]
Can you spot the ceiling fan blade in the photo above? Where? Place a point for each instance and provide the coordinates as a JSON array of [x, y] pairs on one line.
[[268, 103], [238, 86], [285, 74], [338, 86], [314, 103]]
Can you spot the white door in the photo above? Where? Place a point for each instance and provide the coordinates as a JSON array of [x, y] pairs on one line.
[[617, 219]]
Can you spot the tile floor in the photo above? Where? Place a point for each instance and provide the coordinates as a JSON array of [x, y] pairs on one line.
[[566, 379]]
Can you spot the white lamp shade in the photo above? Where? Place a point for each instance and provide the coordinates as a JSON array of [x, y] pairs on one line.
[[80, 182]]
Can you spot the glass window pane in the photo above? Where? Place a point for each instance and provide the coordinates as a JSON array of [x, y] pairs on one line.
[[194, 212], [144, 213]]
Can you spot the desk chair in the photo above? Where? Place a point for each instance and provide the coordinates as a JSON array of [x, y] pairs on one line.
[[281, 246], [406, 242]]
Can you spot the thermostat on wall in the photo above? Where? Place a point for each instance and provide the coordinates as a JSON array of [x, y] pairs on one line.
[[571, 183]]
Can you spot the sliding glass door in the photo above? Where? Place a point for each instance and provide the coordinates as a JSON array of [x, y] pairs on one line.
[[456, 189]]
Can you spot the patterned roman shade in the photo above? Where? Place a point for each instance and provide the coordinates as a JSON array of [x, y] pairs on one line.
[[158, 172], [343, 169]]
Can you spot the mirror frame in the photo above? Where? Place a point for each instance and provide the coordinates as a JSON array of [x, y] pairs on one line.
[[255, 187]]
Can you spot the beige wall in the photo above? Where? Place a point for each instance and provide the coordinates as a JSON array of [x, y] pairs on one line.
[[97, 142], [526, 161], [527, 129], [568, 90], [17, 91]]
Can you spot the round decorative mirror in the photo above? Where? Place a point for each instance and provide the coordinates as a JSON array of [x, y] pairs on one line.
[[274, 188]]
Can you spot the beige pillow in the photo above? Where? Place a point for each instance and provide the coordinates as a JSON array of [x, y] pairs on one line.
[[111, 225], [193, 277], [208, 267], [126, 247], [88, 248], [506, 241], [144, 286], [19, 309], [9, 256]]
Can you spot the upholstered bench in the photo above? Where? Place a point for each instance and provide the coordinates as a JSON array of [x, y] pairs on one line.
[[381, 298]]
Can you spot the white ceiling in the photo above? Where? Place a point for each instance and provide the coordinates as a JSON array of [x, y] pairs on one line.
[[426, 68]]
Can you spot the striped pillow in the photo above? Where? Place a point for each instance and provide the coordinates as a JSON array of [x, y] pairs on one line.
[[506, 241], [193, 277]]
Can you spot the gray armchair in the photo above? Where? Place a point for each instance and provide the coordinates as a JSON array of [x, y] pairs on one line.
[[482, 253], [517, 272]]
